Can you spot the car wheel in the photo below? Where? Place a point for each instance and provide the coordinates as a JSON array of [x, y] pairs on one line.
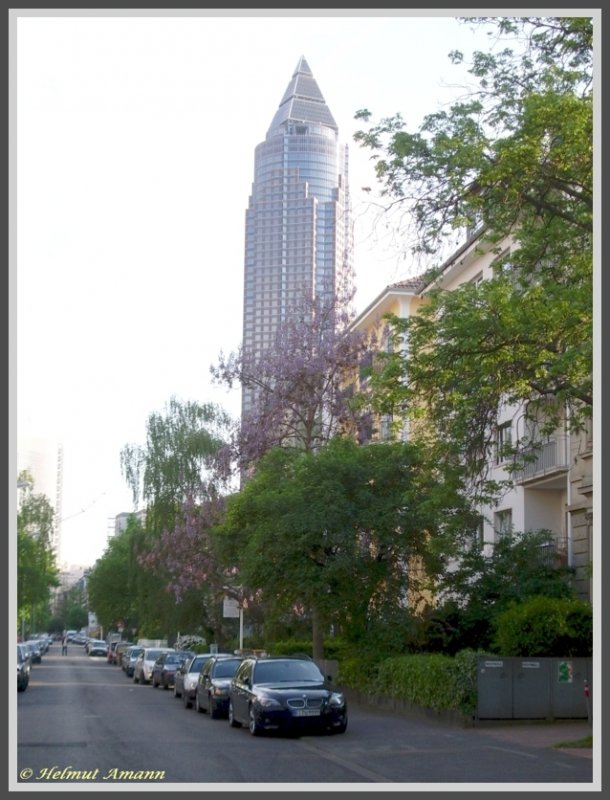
[[232, 721], [253, 726], [186, 700]]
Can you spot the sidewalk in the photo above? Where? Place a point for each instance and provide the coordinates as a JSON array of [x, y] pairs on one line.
[[540, 734]]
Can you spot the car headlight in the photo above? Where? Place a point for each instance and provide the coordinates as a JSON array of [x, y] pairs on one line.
[[269, 702], [336, 699]]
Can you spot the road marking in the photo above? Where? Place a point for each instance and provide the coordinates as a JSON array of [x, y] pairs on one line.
[[363, 771], [510, 750]]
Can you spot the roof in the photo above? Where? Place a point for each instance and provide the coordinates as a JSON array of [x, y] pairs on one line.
[[303, 101]]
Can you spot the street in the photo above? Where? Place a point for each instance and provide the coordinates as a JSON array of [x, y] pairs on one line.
[[83, 722]]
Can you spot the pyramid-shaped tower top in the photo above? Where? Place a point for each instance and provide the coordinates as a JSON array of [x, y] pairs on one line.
[[303, 101]]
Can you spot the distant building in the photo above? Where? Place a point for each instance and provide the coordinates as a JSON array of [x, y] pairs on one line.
[[121, 520], [298, 222], [43, 459]]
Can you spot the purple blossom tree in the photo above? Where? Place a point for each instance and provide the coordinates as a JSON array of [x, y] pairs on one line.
[[300, 388]]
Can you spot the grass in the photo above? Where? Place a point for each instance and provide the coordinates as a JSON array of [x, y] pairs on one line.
[[587, 741]]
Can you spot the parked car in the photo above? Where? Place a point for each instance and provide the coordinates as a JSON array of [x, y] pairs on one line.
[[119, 651], [143, 667], [186, 676], [165, 667], [212, 689], [284, 693], [129, 659], [98, 647], [23, 668], [34, 651]]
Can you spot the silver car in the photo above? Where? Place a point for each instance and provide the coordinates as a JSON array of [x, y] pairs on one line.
[[143, 667], [186, 677]]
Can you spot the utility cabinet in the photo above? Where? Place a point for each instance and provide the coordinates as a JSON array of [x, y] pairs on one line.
[[534, 688]]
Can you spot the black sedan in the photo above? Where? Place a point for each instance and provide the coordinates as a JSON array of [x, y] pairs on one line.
[[284, 693], [212, 689], [165, 668], [23, 668]]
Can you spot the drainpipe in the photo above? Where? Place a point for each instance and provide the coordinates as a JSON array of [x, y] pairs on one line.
[[569, 534]]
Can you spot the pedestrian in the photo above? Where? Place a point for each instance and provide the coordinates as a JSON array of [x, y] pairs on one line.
[[64, 645]]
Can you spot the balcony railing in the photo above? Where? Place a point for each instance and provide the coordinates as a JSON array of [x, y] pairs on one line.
[[544, 460]]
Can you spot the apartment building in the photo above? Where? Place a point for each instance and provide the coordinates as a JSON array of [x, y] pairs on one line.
[[554, 489]]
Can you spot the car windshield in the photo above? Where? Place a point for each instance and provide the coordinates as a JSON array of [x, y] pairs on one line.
[[197, 663], [286, 672], [153, 655], [173, 658], [226, 668]]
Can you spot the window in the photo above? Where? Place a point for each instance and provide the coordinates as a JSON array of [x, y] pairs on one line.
[[503, 522], [478, 536], [504, 438]]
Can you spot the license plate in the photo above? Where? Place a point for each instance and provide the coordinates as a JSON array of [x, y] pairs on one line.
[[307, 712]]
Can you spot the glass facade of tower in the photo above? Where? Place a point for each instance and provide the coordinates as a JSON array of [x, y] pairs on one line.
[[298, 218]]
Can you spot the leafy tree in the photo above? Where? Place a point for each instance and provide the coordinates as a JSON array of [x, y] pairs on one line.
[[514, 160], [483, 585], [72, 610], [112, 584], [299, 394], [179, 474], [37, 572], [546, 627], [342, 537]]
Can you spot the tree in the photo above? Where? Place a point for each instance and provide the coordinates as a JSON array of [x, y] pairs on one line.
[[514, 160], [179, 473], [112, 584], [483, 585], [341, 536], [37, 572], [300, 397]]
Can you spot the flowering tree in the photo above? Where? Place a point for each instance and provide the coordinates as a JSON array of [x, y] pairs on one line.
[[180, 474], [299, 387]]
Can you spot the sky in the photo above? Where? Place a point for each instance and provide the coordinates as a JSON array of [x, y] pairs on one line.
[[135, 140]]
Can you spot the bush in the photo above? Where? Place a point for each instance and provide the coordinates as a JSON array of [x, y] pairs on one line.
[[545, 626], [433, 680]]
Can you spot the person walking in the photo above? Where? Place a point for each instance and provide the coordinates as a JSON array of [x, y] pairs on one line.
[[64, 645]]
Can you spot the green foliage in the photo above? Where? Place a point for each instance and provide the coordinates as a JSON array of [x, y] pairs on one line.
[[291, 647], [545, 626], [178, 458], [118, 588], [513, 160], [433, 681], [481, 586], [37, 572], [308, 527]]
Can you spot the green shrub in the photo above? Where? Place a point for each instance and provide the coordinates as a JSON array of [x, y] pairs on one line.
[[289, 647], [433, 680], [545, 626]]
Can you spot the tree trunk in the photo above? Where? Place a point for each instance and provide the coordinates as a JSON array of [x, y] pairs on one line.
[[317, 631]]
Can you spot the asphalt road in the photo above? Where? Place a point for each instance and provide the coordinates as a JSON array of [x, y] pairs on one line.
[[83, 723]]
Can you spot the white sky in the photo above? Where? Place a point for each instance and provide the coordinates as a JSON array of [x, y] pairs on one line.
[[135, 156]]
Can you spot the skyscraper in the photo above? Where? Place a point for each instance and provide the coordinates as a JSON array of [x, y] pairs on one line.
[[298, 227]]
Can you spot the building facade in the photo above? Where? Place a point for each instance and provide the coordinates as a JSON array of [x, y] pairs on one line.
[[44, 459], [298, 227], [554, 490]]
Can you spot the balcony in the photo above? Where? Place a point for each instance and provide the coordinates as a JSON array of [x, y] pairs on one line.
[[545, 461]]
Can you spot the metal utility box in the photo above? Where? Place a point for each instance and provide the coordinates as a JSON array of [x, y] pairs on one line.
[[534, 688]]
